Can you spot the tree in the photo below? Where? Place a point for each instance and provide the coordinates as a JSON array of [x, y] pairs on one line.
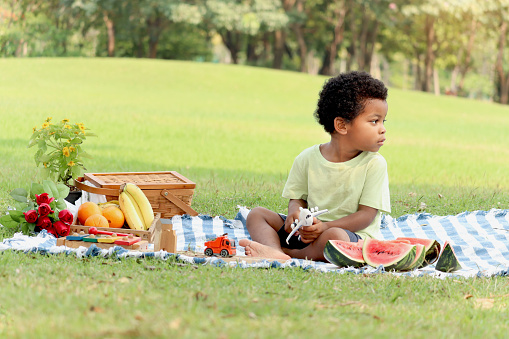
[[235, 20]]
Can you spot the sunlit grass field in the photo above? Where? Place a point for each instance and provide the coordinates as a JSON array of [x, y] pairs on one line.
[[235, 131]]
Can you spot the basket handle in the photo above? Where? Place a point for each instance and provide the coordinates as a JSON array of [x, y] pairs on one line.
[[78, 182], [179, 203]]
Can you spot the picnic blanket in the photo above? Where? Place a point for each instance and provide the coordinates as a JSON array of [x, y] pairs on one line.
[[480, 240]]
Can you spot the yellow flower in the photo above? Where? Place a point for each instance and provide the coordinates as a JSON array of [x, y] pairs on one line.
[[48, 119], [65, 151], [72, 149], [34, 129], [65, 120], [45, 165], [45, 125], [81, 126], [70, 163], [67, 126]]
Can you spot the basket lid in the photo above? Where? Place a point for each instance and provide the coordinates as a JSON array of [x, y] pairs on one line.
[[144, 180]]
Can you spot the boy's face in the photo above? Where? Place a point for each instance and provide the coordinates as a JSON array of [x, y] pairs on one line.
[[367, 132]]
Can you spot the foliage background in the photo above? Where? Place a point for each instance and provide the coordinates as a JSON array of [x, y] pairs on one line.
[[443, 47]]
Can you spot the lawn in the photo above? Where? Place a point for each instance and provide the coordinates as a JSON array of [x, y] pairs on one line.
[[235, 131]]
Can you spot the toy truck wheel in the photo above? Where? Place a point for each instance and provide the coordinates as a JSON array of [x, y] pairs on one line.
[[209, 252], [224, 253]]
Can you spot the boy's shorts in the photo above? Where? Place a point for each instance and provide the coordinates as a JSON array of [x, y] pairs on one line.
[[296, 244]]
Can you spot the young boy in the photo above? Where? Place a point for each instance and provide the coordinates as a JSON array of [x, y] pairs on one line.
[[346, 176]]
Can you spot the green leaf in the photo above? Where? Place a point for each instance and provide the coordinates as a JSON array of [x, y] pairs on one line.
[[46, 172], [76, 171], [7, 221], [31, 227], [76, 141], [50, 188], [63, 191], [24, 227], [32, 141], [31, 206], [16, 215], [61, 205], [36, 188], [42, 145], [19, 194]]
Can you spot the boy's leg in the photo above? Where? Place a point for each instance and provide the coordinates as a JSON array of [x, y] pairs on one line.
[[263, 225], [315, 250]]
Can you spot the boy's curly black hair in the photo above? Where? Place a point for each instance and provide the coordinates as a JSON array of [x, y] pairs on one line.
[[345, 96]]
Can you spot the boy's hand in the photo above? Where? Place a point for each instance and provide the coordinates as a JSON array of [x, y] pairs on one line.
[[311, 233], [290, 218]]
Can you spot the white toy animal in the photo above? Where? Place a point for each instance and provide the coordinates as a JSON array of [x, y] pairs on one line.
[[305, 219]]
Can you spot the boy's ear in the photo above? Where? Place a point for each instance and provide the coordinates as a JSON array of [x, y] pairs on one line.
[[340, 125]]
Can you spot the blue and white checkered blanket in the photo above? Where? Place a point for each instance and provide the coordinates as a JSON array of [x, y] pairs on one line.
[[480, 240]]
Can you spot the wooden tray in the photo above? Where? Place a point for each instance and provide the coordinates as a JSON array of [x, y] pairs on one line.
[[161, 235]]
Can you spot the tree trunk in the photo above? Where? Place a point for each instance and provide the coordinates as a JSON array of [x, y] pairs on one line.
[[251, 55], [232, 41], [298, 29], [352, 48], [454, 76], [371, 41], [332, 50], [503, 79], [418, 72], [436, 82], [468, 56], [361, 60], [155, 26], [429, 59], [279, 49], [110, 27]]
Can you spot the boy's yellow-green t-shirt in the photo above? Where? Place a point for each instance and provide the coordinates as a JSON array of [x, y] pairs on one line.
[[341, 187]]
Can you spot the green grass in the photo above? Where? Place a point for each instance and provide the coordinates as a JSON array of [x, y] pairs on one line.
[[96, 298], [235, 131]]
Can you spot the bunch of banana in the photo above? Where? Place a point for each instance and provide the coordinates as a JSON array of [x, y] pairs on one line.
[[136, 207], [103, 205]]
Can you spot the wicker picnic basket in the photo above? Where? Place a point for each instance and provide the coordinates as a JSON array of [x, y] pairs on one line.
[[169, 193]]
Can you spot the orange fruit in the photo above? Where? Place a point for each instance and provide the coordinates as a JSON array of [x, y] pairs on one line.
[[86, 210], [97, 220], [114, 216]]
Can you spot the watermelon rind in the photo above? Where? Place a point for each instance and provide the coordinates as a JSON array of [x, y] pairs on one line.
[[391, 255], [339, 253], [420, 255], [432, 249], [448, 262]]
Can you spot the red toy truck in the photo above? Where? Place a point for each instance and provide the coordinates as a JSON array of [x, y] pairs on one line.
[[221, 245]]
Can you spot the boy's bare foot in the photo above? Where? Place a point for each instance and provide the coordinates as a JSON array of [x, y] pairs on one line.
[[255, 249]]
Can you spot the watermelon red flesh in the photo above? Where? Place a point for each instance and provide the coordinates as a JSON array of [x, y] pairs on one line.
[[391, 255], [432, 248], [343, 253], [448, 261]]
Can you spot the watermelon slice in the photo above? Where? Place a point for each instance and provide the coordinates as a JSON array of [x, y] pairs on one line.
[[420, 255], [432, 248], [343, 253], [391, 255], [448, 262]]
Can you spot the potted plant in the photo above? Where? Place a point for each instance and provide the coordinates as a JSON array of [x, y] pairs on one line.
[[60, 150], [43, 208]]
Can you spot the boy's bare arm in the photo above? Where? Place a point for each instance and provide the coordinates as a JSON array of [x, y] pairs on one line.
[[354, 222]]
